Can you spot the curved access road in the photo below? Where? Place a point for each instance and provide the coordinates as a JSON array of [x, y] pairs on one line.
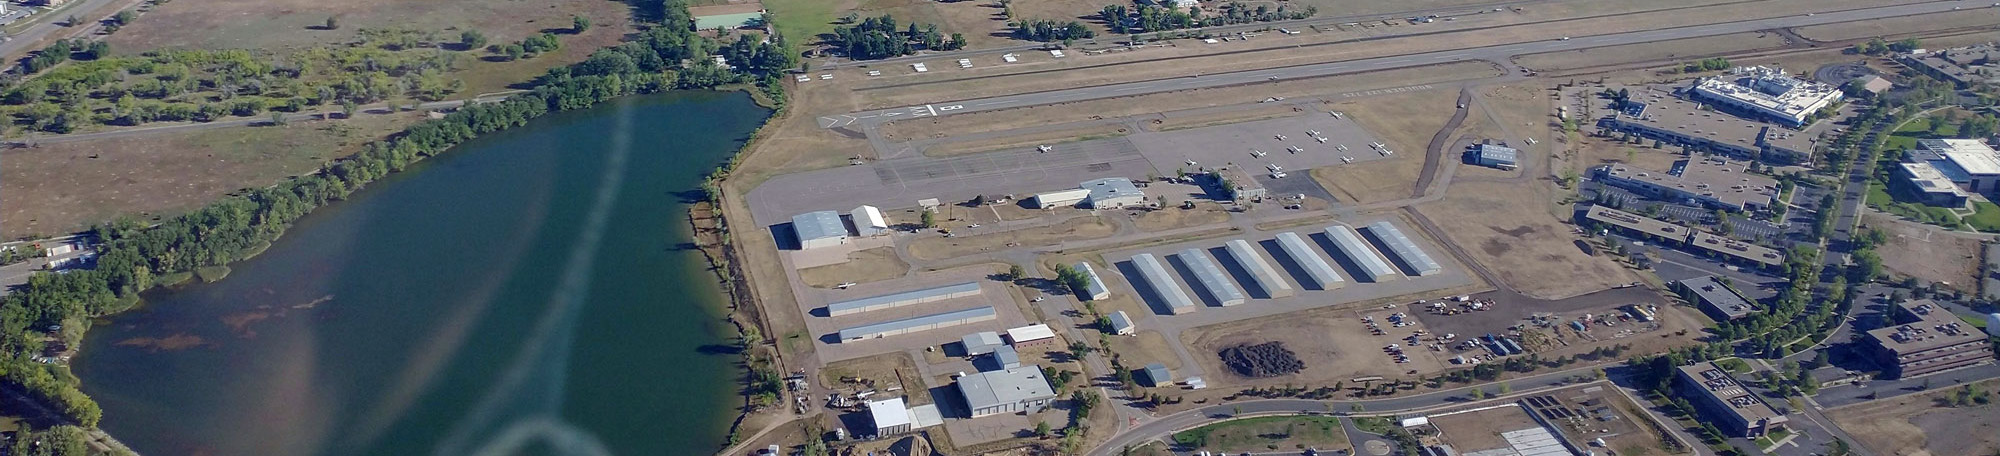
[[1497, 53], [1165, 426]]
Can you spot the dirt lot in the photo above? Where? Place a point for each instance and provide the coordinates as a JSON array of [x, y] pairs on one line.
[[1603, 151], [878, 373], [1481, 430], [1145, 347], [1896, 26], [1926, 252], [1405, 122], [1171, 218], [1508, 228], [1264, 434], [1076, 229], [1333, 343], [862, 266], [1685, 49], [61, 188], [1026, 140], [1902, 426], [281, 26]]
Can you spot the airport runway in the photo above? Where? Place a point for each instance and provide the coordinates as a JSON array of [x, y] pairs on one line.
[[1498, 53]]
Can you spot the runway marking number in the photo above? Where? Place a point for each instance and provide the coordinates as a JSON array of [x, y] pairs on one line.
[[932, 110]]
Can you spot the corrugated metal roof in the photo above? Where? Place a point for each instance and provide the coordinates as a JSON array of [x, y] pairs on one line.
[[1351, 245], [1211, 277], [1267, 277], [889, 412], [1030, 333], [1120, 322], [819, 225], [1008, 386], [1315, 267], [1163, 284], [1401, 246], [903, 298], [927, 320], [1093, 284], [1535, 441]]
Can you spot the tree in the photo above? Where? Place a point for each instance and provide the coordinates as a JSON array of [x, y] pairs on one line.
[[72, 21], [347, 108], [333, 23], [1042, 429], [514, 51], [578, 24], [124, 17], [277, 118], [928, 219], [472, 39], [1477, 393], [1015, 272]]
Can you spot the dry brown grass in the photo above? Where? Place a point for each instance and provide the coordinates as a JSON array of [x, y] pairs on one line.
[[1198, 120], [65, 187], [1076, 229], [1508, 228], [1684, 49], [1481, 430], [1405, 122], [1145, 347], [1896, 27], [1026, 140], [878, 373], [1327, 88], [862, 266], [1171, 218], [1927, 253], [1333, 343], [1903, 426]]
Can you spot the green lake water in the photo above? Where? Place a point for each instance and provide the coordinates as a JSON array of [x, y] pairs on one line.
[[529, 292]]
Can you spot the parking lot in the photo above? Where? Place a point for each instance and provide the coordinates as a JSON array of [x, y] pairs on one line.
[[1293, 144]]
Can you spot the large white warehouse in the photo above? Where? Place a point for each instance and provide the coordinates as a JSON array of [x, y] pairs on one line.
[[1267, 277], [1315, 267], [819, 229], [1357, 250], [1163, 284], [1405, 250], [1212, 278]]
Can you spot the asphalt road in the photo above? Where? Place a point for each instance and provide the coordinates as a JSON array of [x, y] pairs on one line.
[[1163, 427], [1498, 53]]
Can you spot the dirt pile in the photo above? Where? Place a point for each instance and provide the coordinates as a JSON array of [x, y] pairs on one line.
[[1269, 359]]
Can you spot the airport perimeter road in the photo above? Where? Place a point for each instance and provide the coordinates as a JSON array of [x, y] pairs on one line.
[[1498, 53], [1166, 426]]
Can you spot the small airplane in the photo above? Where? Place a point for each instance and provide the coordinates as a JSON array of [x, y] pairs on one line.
[[1044, 148], [1321, 139], [1340, 147], [975, 225], [1256, 153], [1336, 114], [1312, 132], [1279, 137], [1294, 149], [1192, 163], [1347, 159], [844, 285]]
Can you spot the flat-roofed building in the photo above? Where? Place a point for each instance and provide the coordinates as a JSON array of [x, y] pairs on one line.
[[1017, 390], [1736, 251], [1318, 272], [1927, 338], [1113, 193], [907, 298], [1006, 357], [981, 343], [1404, 249], [1708, 182], [890, 416], [1261, 272], [1715, 298], [1638, 224], [1969, 163], [1965, 66], [1121, 324], [1930, 186], [1241, 185], [1156, 375], [1031, 335], [1163, 284], [1211, 277], [1767, 92], [1358, 251], [869, 221], [1662, 116], [1093, 286], [918, 324], [1063, 198], [1495, 156], [1727, 404], [819, 229]]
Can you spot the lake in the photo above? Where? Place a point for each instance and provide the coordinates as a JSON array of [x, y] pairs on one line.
[[532, 291]]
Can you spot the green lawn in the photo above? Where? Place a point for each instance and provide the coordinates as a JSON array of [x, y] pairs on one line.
[[1772, 438], [1906, 137], [1985, 217], [1266, 434], [1976, 322], [802, 21], [1736, 365], [1881, 199]]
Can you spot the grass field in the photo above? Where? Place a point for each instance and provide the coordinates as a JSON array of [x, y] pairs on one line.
[[1985, 217], [1880, 198], [1916, 424], [1267, 434]]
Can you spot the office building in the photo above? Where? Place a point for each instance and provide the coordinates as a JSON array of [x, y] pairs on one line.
[[1709, 182], [1725, 403], [1766, 93], [1927, 338], [1714, 298]]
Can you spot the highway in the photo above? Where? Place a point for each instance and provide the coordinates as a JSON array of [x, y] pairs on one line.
[[1497, 53]]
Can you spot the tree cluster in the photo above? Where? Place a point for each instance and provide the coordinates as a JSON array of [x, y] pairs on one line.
[[1878, 46], [879, 38], [1045, 30], [132, 255], [1708, 64], [1124, 19]]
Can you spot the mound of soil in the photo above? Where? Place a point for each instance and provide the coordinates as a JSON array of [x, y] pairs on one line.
[[1269, 359]]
